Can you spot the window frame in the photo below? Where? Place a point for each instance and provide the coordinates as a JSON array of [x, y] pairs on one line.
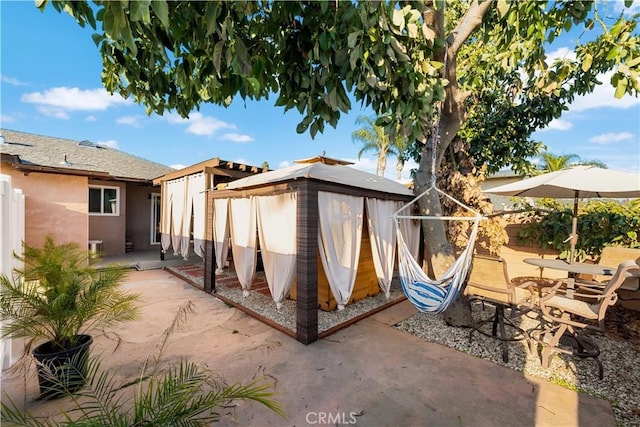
[[102, 188]]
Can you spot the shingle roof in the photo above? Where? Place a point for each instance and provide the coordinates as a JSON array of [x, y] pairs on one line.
[[77, 156]]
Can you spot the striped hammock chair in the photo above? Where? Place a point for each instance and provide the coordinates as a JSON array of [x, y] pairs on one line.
[[434, 295]]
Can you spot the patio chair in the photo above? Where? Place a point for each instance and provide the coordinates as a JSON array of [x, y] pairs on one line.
[[564, 318], [489, 283], [613, 256]]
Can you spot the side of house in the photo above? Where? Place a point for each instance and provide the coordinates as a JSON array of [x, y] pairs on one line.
[[81, 192]]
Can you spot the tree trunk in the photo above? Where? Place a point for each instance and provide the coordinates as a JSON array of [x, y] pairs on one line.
[[440, 253], [399, 167], [382, 163]]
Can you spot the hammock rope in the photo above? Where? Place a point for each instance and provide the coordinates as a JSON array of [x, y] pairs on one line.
[[426, 294]]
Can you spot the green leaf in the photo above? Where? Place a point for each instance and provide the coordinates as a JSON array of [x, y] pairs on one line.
[[352, 39], [211, 17], [161, 10], [255, 85], [621, 88], [586, 64], [503, 8], [244, 62], [139, 11], [398, 18], [217, 55]]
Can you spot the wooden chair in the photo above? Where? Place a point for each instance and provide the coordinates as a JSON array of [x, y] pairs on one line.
[[564, 317], [489, 283]]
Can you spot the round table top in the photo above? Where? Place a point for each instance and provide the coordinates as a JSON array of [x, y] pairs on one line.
[[577, 267]]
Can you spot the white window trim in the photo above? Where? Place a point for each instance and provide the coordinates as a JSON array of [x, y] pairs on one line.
[[102, 188]]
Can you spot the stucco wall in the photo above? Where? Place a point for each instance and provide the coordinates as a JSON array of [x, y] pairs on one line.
[[55, 205], [139, 216], [109, 229]]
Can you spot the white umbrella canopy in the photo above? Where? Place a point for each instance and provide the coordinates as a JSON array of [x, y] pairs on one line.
[[575, 182]]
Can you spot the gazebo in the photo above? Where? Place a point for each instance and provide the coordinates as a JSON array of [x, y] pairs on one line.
[[309, 220], [183, 199]]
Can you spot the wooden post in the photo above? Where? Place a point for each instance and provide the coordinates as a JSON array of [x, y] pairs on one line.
[[307, 263], [209, 249]]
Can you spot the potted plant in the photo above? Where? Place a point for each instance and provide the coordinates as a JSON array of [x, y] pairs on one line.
[[54, 302]]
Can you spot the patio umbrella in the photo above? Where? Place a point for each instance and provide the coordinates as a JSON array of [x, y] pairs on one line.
[[575, 182]]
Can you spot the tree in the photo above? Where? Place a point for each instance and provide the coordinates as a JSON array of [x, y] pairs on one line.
[[414, 66], [555, 162], [374, 138]]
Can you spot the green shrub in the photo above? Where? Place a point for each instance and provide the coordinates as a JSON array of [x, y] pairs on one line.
[[600, 223]]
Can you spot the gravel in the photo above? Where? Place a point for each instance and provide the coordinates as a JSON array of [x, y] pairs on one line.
[[286, 316]]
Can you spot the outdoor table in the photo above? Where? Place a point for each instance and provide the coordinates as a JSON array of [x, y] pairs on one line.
[[572, 269]]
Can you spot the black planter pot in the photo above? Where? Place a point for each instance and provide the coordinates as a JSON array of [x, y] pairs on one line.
[[62, 372]]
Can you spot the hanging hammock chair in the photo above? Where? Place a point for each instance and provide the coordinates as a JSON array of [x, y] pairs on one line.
[[426, 294]]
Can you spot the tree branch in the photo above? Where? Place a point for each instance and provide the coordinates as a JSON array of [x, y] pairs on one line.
[[467, 25]]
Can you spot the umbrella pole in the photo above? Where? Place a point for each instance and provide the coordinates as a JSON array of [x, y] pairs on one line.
[[574, 229]]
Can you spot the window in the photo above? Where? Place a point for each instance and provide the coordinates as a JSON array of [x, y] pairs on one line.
[[104, 200]]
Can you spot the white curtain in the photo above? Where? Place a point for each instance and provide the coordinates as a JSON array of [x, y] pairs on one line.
[[185, 235], [382, 231], [339, 241], [178, 189], [277, 231], [196, 199], [165, 215], [242, 218], [221, 232]]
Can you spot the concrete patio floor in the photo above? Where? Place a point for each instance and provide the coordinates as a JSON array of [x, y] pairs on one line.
[[369, 374]]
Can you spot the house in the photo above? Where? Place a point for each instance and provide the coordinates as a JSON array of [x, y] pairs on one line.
[[79, 191]]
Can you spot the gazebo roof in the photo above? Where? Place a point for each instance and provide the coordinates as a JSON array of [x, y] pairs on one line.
[[339, 174]]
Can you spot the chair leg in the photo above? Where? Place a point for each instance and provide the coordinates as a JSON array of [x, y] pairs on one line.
[[548, 348], [499, 324]]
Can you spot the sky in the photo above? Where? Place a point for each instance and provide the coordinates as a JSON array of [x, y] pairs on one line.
[[50, 85]]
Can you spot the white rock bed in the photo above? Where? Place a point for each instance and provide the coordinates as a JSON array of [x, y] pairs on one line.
[[620, 359], [286, 316]]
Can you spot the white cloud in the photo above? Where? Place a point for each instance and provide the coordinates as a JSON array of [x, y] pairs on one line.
[[4, 118], [111, 143], [178, 166], [365, 164], [90, 118], [199, 124], [129, 120], [618, 6], [558, 124], [55, 112], [284, 164], [240, 161], [236, 137], [70, 99], [602, 97], [12, 81], [560, 53], [607, 138]]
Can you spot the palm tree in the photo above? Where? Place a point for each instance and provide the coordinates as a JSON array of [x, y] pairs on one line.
[[373, 138], [555, 162]]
